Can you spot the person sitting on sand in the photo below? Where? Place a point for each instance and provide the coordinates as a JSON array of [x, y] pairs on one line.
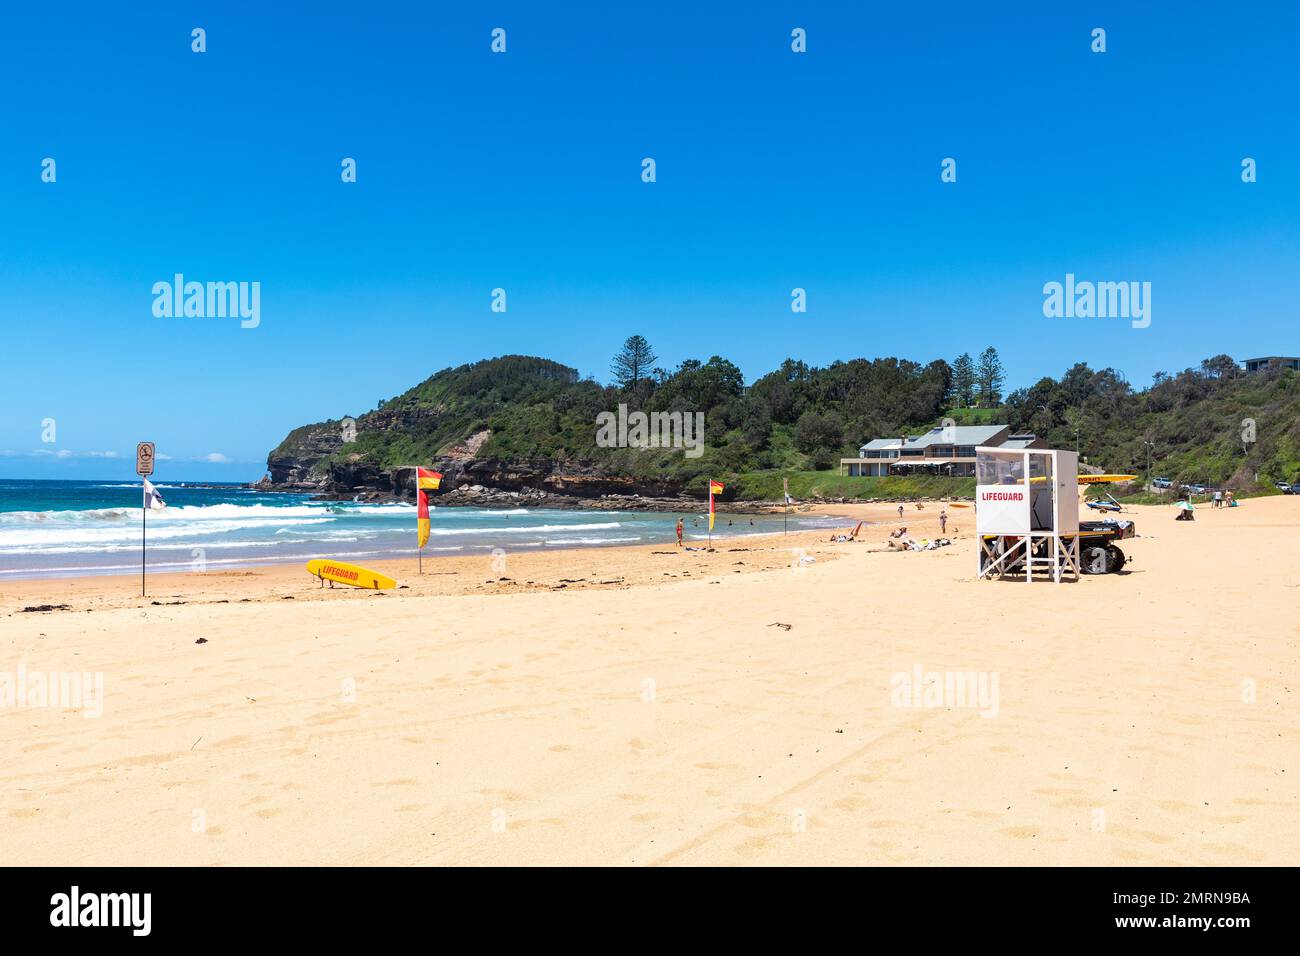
[[1185, 511]]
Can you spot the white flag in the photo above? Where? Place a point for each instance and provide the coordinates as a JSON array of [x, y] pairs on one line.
[[152, 500]]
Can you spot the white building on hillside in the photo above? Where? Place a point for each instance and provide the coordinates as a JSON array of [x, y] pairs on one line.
[[940, 451]]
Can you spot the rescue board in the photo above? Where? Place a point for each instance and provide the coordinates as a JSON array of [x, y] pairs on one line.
[[352, 575]]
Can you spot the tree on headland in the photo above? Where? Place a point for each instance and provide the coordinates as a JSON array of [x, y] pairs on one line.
[[633, 361], [990, 376], [963, 380], [1220, 366], [816, 430]]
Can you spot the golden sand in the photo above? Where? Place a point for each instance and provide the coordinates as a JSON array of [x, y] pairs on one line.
[[631, 706]]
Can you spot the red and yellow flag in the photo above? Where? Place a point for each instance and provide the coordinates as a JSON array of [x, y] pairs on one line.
[[715, 488], [422, 516], [425, 481]]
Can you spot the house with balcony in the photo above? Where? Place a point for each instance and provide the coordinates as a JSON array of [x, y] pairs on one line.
[[940, 451], [1271, 361]]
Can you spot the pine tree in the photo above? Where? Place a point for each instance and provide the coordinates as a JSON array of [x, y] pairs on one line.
[[963, 380], [990, 376], [633, 361]]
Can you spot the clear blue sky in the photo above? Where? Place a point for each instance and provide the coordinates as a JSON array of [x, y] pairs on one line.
[[522, 171]]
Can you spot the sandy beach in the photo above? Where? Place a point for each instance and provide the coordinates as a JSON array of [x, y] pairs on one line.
[[649, 706]]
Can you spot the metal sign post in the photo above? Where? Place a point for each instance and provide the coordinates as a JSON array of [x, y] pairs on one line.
[[144, 458], [785, 488]]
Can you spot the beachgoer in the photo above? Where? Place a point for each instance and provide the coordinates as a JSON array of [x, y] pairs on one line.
[[900, 512], [943, 521], [1218, 499], [680, 528]]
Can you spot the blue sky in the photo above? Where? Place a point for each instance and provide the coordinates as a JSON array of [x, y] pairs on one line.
[[522, 171]]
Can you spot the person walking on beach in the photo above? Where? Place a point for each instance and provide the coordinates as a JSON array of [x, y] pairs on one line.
[[680, 527], [1218, 499], [943, 521], [900, 512]]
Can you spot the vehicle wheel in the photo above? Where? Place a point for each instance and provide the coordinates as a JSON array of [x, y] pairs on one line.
[[1095, 560], [1117, 559]]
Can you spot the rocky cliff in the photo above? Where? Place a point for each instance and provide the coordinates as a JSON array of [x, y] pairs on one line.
[[493, 429]]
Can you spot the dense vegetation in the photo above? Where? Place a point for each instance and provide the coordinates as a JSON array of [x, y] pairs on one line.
[[1215, 423], [798, 420]]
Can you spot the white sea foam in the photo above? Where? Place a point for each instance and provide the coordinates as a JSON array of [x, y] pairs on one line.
[[526, 529]]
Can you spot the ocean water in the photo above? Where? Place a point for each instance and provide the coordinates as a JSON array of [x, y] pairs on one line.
[[64, 528]]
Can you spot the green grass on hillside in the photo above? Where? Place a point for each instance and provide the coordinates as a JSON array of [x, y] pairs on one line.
[[976, 416]]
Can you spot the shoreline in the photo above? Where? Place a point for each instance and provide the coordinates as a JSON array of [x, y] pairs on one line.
[[16, 592], [379, 558]]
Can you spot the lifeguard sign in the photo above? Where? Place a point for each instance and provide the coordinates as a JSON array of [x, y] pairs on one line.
[[1027, 511]]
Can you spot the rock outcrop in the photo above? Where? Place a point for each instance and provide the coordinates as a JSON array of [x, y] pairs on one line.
[[483, 426]]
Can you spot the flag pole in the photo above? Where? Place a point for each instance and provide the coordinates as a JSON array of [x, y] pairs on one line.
[[144, 522], [785, 488], [710, 512]]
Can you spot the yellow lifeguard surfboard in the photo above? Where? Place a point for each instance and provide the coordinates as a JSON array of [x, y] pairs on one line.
[[1089, 479], [1102, 479], [352, 575]]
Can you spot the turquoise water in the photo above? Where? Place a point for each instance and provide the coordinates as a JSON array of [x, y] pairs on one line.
[[60, 528]]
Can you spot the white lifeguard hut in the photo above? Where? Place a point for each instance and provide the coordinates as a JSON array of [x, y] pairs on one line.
[[1027, 512]]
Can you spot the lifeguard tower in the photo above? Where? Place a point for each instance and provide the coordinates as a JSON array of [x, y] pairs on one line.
[[1027, 512]]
